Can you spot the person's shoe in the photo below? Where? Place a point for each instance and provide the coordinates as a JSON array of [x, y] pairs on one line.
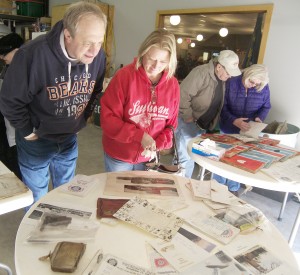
[[236, 193]]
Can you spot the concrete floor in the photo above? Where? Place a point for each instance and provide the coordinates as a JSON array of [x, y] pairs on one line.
[[90, 162]]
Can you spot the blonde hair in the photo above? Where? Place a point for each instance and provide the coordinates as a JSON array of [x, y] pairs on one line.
[[161, 39], [79, 10], [259, 72]]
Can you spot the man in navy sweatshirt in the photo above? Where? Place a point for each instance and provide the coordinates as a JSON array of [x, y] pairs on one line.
[[49, 91]]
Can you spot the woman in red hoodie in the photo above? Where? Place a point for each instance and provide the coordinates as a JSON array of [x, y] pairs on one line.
[[139, 104]]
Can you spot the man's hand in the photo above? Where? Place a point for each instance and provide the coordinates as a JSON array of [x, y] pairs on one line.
[[148, 142], [242, 123], [31, 137]]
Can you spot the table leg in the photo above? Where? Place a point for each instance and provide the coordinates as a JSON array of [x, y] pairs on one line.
[[283, 206], [201, 173], [295, 229]]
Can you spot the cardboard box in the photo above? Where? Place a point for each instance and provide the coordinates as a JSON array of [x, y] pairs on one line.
[[6, 6]]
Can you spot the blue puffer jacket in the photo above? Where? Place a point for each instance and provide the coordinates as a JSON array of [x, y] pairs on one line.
[[239, 103]]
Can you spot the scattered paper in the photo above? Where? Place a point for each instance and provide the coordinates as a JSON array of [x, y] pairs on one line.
[[149, 217]]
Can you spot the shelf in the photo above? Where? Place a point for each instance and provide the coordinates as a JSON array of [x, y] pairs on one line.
[[17, 18]]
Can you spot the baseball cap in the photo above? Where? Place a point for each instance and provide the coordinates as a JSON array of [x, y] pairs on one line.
[[230, 61], [10, 42]]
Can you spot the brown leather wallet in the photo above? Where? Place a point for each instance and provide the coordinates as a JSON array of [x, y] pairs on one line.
[[66, 256]]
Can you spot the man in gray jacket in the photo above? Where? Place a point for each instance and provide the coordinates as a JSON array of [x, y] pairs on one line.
[[201, 101]]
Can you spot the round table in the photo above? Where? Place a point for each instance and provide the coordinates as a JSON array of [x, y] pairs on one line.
[[124, 240]]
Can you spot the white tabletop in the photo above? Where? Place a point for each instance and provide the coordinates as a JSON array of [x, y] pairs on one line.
[[124, 240], [15, 202], [258, 179]]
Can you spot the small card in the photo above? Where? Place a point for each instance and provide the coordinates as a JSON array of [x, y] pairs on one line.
[[80, 185], [149, 217]]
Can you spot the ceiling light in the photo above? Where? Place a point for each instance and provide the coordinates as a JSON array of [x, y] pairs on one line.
[[223, 32], [175, 20], [199, 37], [179, 40], [193, 44]]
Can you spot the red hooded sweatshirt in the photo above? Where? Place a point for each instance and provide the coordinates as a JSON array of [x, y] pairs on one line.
[[129, 108]]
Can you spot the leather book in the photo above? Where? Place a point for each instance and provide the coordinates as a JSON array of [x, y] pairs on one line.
[[107, 207]]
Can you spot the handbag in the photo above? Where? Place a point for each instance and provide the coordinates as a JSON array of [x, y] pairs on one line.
[[157, 166]]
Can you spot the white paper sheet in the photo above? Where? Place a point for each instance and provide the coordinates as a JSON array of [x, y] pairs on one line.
[[255, 129]]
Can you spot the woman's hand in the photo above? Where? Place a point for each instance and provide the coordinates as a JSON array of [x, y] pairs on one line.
[[257, 119], [189, 120], [148, 142], [242, 123]]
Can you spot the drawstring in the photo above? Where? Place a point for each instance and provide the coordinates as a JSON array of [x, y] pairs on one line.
[[86, 72], [69, 73]]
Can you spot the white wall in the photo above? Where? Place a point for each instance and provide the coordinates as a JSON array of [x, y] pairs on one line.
[[135, 19]]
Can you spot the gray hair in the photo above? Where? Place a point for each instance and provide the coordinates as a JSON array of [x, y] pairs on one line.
[[79, 10], [161, 39], [259, 72]]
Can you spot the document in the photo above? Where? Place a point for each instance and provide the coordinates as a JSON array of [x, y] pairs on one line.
[[150, 218], [146, 185], [180, 252], [10, 186], [213, 227], [109, 264], [258, 260], [286, 172], [219, 263], [255, 129], [159, 264], [80, 185]]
